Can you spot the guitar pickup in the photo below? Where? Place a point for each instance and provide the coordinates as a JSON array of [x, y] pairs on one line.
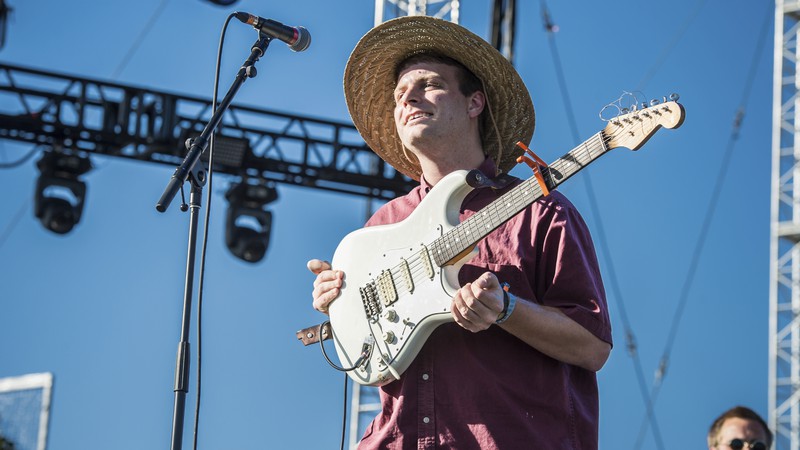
[[425, 257], [406, 272], [386, 288]]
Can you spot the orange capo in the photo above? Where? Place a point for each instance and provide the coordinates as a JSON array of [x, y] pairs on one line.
[[534, 165]]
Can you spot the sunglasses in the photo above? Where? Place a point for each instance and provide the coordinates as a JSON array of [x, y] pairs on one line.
[[739, 444]]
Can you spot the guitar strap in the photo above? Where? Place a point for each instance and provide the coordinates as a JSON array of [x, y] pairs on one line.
[[311, 335], [477, 179]]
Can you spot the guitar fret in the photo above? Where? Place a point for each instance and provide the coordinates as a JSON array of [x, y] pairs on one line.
[[578, 158]]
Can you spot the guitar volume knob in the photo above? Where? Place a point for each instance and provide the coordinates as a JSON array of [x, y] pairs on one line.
[[388, 337], [390, 315]]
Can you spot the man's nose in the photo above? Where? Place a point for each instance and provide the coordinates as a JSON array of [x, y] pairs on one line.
[[411, 95]]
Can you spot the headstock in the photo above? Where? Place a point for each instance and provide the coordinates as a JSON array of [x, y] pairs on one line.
[[635, 126]]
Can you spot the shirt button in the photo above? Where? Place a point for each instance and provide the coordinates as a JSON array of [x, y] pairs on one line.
[[426, 419], [425, 376]]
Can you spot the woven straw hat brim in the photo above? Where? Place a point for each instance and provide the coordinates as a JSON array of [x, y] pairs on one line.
[[369, 82]]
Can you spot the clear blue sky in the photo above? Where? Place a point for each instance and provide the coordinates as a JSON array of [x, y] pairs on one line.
[[100, 307]]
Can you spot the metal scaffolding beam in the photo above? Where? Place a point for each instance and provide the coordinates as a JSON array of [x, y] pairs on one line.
[[784, 322], [89, 117], [390, 9]]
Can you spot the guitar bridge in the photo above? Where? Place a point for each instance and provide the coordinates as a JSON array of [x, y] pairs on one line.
[[369, 297]]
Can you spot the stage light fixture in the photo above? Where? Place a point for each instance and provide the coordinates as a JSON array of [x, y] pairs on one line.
[[60, 194], [248, 224], [223, 2]]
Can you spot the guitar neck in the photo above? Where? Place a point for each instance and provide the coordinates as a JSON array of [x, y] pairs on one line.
[[461, 239]]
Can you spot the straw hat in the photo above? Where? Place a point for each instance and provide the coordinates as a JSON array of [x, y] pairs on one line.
[[369, 82]]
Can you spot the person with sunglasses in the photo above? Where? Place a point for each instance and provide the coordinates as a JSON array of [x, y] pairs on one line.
[[739, 428]]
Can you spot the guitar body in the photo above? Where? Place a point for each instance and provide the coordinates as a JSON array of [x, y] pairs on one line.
[[410, 295]]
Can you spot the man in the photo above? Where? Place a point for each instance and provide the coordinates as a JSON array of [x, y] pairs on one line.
[[517, 368], [739, 428]]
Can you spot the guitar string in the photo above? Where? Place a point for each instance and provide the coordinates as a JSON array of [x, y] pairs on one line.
[[582, 155], [514, 200], [497, 213], [517, 196]]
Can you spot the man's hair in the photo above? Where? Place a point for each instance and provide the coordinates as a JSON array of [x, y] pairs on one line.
[[740, 412], [468, 83]]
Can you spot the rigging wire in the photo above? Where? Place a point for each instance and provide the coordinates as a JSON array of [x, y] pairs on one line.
[[649, 415], [699, 245], [18, 216], [22, 160], [630, 336], [668, 49], [13, 223], [139, 39]]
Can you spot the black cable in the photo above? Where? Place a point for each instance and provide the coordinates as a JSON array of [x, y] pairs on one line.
[[630, 337], [365, 351], [344, 412], [684, 295], [204, 246]]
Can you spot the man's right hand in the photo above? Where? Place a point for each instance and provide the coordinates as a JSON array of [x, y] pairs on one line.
[[326, 285]]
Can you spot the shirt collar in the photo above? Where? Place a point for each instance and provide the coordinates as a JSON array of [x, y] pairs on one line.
[[488, 167]]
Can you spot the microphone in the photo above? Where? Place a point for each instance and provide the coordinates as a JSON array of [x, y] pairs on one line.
[[298, 38]]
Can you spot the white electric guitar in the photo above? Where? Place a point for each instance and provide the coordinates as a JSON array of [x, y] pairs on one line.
[[400, 278]]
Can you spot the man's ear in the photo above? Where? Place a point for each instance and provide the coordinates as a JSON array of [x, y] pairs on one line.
[[477, 101]]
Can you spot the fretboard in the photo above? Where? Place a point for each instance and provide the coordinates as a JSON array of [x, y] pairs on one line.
[[466, 234]]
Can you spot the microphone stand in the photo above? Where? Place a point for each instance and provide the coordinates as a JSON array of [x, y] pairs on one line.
[[196, 175]]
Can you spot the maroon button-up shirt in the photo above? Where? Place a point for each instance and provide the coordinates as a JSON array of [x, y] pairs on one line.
[[490, 390]]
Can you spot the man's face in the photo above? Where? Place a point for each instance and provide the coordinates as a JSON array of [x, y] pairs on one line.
[[745, 430], [430, 109]]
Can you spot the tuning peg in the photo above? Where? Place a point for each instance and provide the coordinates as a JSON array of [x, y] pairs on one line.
[[674, 97], [654, 102]]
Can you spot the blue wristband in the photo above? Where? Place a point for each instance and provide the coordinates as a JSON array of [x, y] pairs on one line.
[[509, 302]]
